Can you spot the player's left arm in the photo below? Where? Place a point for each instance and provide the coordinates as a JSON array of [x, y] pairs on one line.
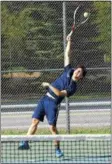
[[55, 90], [68, 92]]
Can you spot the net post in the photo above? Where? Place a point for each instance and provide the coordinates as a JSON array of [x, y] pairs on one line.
[[64, 46]]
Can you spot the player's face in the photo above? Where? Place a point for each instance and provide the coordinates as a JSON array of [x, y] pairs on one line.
[[78, 74]]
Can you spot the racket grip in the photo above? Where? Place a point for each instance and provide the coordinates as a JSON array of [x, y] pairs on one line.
[[73, 27]]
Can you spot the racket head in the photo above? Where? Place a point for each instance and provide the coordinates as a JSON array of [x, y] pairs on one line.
[[79, 17]]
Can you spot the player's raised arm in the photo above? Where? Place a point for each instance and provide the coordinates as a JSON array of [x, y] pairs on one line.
[[67, 51]]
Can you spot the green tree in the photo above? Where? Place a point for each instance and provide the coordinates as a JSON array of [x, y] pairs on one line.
[[31, 33], [43, 39], [103, 20], [13, 35]]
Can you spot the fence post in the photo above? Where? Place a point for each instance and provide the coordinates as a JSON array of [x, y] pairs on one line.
[[64, 45]]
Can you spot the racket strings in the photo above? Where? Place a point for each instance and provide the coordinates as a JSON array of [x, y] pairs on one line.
[[79, 17]]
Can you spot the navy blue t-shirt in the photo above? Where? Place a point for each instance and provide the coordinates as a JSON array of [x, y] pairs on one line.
[[64, 82]]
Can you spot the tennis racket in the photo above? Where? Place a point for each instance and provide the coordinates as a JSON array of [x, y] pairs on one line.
[[80, 17]]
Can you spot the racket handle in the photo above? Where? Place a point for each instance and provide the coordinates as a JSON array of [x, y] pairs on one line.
[[73, 28]]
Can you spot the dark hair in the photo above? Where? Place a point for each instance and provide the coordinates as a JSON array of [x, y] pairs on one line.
[[83, 69]]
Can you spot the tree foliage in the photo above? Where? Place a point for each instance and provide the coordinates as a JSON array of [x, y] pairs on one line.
[[32, 34], [103, 20]]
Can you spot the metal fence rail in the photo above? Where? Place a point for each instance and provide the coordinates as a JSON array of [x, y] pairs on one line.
[[72, 104]]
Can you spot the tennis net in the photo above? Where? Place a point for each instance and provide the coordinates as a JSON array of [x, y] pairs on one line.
[[77, 149]]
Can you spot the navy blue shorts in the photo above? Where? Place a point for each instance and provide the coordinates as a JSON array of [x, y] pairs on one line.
[[46, 106]]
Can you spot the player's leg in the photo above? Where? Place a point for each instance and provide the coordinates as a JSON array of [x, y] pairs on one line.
[[54, 131], [37, 116], [58, 151], [51, 111], [33, 127]]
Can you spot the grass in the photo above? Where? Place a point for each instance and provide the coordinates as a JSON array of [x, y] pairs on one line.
[[105, 130], [89, 96]]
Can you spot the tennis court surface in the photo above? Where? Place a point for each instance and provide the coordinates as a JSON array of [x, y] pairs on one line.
[[77, 149]]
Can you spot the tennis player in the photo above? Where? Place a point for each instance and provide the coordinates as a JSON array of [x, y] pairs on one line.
[[64, 85]]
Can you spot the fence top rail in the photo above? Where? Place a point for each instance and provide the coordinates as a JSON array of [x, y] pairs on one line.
[[52, 70]]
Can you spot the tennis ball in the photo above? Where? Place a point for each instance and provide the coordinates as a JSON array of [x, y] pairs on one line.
[[86, 14]]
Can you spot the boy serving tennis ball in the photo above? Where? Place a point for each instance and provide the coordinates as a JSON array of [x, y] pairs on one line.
[[64, 85]]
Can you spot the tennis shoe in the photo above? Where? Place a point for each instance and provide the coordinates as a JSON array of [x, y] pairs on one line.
[[23, 145], [59, 153]]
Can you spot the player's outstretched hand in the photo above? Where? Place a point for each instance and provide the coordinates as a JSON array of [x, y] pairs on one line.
[[45, 85]]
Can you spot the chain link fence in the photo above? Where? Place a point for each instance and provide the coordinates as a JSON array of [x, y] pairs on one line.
[[32, 49]]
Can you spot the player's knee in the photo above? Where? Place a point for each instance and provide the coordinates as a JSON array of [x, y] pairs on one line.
[[35, 122]]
